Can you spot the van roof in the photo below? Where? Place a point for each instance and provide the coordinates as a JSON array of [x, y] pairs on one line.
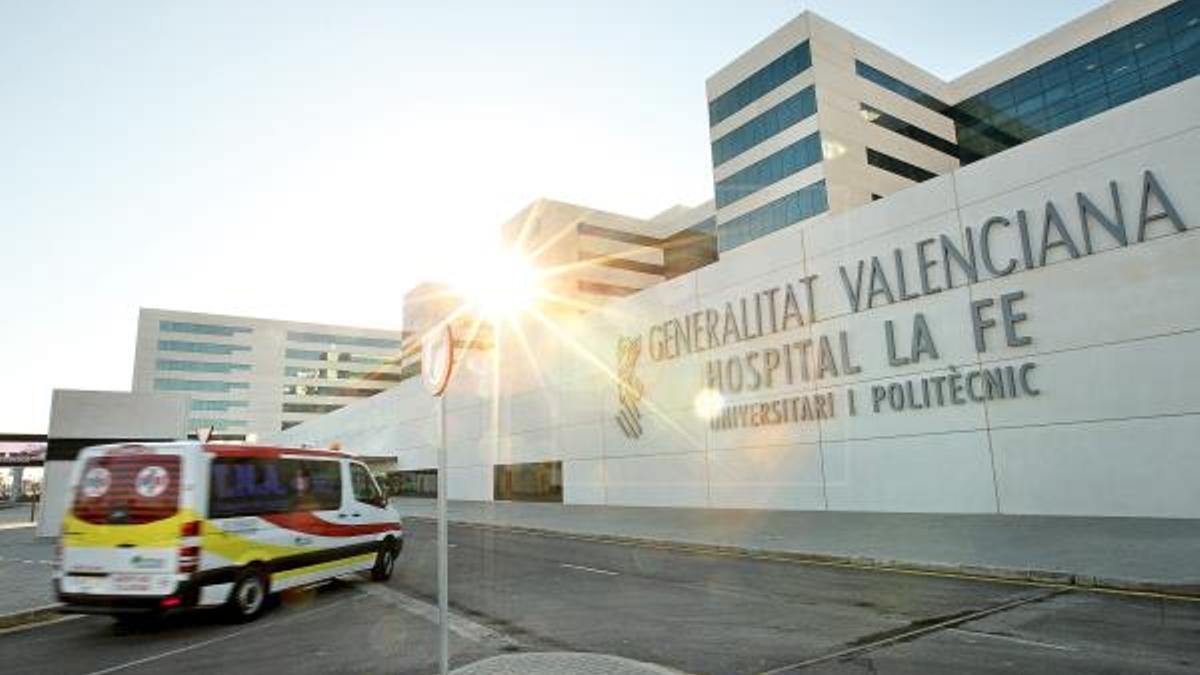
[[237, 449]]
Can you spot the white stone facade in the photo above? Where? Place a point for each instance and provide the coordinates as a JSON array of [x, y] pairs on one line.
[[1114, 337]]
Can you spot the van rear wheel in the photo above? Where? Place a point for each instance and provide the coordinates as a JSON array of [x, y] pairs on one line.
[[385, 560], [248, 598]]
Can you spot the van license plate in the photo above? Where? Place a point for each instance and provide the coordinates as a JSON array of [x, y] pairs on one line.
[[131, 583]]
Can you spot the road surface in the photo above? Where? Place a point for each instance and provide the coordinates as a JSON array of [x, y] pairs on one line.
[[693, 611]]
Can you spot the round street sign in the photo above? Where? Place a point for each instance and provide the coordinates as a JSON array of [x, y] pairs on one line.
[[437, 360]]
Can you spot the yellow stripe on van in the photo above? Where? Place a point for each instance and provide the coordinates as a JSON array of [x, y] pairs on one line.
[[235, 547], [158, 534], [321, 567], [240, 549]]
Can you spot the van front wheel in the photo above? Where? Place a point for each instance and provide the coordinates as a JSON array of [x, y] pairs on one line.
[[385, 560], [248, 598]]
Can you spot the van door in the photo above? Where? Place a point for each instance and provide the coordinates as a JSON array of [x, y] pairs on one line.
[[122, 533], [263, 506]]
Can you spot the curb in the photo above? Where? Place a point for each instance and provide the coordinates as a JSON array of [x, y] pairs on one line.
[[1049, 578], [29, 617]]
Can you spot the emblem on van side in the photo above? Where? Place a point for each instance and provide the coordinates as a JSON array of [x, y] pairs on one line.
[[629, 387]]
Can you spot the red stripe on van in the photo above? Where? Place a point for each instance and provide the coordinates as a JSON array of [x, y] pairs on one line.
[[303, 521], [270, 452]]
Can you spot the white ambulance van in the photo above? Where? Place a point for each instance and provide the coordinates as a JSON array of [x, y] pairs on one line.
[[155, 527]]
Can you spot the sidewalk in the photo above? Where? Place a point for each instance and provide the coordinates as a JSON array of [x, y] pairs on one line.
[[1126, 553], [14, 514], [26, 570]]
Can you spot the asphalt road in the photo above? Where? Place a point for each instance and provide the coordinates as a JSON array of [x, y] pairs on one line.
[[696, 612]]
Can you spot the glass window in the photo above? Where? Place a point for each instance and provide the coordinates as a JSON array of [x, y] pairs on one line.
[[168, 384], [200, 328], [215, 423], [216, 405], [251, 486], [770, 76], [876, 116], [531, 482], [898, 166], [311, 407], [199, 347], [108, 492], [792, 159], [351, 340], [894, 85], [334, 356], [1116, 68], [364, 487], [201, 366], [799, 205], [330, 374], [792, 110], [317, 485]]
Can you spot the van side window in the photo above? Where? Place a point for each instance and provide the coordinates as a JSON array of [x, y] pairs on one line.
[[364, 486], [252, 486], [317, 485]]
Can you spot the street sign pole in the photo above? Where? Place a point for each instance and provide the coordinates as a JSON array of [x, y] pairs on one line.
[[437, 362], [443, 554]]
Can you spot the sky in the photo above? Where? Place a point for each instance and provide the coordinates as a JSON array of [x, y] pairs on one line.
[[313, 160]]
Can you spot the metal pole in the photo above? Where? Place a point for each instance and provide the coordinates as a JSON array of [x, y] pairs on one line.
[[442, 546]]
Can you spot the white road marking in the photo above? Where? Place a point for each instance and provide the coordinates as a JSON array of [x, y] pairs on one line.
[[460, 626], [593, 570], [26, 562], [1009, 638], [221, 638]]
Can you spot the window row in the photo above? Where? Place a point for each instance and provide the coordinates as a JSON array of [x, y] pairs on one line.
[[799, 205], [899, 167], [217, 405], [322, 390], [200, 347], [201, 366], [342, 357], [331, 339], [790, 111], [912, 131], [216, 423], [331, 374], [1149, 54], [792, 63], [244, 486], [201, 328], [898, 87], [311, 407], [772, 169], [167, 384]]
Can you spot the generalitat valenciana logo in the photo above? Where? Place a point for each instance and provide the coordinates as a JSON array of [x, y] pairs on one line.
[[629, 387]]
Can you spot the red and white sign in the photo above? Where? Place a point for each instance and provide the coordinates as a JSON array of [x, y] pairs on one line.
[[96, 482], [437, 360], [152, 481]]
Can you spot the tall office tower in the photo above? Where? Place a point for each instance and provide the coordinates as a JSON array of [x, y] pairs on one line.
[[815, 119]]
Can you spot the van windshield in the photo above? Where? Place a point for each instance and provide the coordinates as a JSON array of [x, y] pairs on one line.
[[128, 489]]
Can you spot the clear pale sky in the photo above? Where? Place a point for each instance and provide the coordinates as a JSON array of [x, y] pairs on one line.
[[312, 160]]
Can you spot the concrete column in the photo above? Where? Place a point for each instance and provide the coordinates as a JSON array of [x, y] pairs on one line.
[[17, 476]]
